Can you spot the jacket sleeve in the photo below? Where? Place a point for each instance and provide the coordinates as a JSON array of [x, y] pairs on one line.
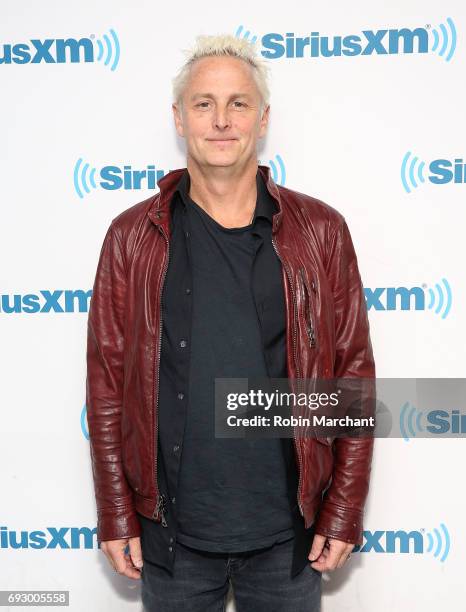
[[341, 512], [116, 517]]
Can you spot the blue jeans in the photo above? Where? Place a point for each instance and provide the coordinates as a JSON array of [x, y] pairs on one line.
[[261, 581]]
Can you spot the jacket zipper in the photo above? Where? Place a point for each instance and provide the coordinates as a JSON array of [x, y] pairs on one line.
[[297, 368], [309, 320], [159, 514], [159, 510]]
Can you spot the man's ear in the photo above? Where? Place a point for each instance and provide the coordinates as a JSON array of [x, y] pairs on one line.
[[264, 121], [178, 117]]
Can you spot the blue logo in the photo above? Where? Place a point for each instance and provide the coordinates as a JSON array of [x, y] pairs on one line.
[[440, 40], [443, 40], [59, 301], [246, 34], [435, 542], [87, 178], [438, 298], [64, 538], [441, 171], [84, 424], [277, 169], [63, 51], [438, 421], [113, 178]]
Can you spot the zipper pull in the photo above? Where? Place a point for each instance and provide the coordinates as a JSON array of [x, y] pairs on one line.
[[164, 521], [159, 510], [312, 338]]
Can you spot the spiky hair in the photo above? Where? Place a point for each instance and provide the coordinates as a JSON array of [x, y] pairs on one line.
[[224, 44]]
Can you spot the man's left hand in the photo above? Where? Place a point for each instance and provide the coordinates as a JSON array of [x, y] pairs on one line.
[[329, 553]]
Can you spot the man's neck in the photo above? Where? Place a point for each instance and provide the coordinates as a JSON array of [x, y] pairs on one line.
[[227, 195]]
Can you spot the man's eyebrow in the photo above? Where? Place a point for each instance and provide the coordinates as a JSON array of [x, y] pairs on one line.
[[210, 95]]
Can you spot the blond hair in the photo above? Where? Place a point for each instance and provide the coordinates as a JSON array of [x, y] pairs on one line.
[[228, 45]]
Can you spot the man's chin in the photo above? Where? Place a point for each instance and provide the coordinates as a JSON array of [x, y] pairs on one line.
[[220, 162]]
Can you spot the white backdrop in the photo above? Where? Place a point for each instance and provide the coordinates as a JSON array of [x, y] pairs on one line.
[[346, 129]]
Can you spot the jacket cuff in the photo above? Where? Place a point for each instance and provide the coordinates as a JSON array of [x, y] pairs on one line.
[[117, 523], [340, 522]]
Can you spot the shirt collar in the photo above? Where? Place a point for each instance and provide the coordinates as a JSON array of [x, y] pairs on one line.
[[265, 205]]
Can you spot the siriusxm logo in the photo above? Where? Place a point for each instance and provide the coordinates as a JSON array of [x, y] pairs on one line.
[[435, 542], [440, 40], [87, 177], [83, 420], [51, 538], [439, 298], [112, 177], [68, 300], [441, 171], [64, 50], [436, 422]]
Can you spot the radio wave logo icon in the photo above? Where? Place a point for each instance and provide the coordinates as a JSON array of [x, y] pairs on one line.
[[246, 34], [444, 40], [108, 49], [440, 300], [411, 298], [412, 172], [84, 425], [414, 541], [277, 169], [83, 178], [438, 542], [410, 421]]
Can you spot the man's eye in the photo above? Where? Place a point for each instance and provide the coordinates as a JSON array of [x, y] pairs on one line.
[[204, 104]]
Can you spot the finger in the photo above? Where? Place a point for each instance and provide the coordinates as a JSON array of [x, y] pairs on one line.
[[318, 543], [127, 569], [119, 563], [129, 563], [344, 558], [136, 552], [345, 553], [323, 555], [131, 572], [109, 556], [116, 556], [327, 561], [320, 563]]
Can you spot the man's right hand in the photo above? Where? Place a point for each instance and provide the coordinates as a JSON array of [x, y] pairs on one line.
[[127, 564]]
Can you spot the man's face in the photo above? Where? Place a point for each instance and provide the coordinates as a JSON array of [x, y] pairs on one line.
[[220, 116]]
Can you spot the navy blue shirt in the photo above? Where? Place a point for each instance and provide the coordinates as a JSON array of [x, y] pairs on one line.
[[223, 315]]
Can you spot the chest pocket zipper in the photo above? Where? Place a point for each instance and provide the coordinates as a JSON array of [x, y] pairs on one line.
[[310, 328]]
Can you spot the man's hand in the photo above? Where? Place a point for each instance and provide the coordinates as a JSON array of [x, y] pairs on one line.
[[126, 564], [328, 553]]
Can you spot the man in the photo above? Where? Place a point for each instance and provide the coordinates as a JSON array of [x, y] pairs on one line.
[[223, 273]]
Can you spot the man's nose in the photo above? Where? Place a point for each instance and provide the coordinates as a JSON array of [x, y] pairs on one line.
[[222, 119]]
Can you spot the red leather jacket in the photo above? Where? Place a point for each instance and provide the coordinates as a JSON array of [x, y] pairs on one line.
[[321, 282]]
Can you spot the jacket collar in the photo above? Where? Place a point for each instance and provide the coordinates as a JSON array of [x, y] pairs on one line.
[[170, 182], [265, 205]]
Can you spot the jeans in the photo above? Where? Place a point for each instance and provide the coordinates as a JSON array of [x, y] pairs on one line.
[[261, 582]]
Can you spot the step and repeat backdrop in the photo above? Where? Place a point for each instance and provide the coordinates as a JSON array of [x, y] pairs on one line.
[[367, 114]]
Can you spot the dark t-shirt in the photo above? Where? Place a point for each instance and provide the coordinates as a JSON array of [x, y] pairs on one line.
[[234, 494], [172, 401]]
